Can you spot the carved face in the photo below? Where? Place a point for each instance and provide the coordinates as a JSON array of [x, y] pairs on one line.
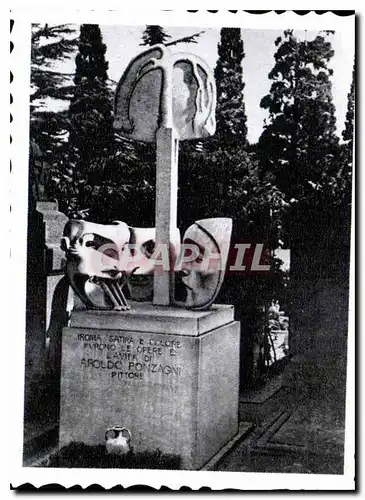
[[97, 249], [95, 255], [202, 272], [161, 87], [143, 247], [102, 259]]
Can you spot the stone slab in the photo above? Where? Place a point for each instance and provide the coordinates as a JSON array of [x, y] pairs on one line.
[[176, 393], [261, 404], [46, 206], [243, 431], [54, 223], [146, 317]]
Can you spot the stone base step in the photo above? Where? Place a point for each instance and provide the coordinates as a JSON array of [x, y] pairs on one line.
[[39, 445], [244, 430], [258, 405]]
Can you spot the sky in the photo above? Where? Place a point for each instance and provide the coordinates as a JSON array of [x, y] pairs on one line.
[[123, 44]]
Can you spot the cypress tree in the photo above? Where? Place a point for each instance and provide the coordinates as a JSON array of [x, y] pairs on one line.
[[90, 110], [153, 35], [91, 138], [224, 151], [230, 115]]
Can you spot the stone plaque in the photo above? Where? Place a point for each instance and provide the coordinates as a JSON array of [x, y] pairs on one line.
[[176, 393]]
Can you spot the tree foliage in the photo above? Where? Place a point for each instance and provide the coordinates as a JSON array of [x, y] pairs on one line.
[[348, 133], [153, 35], [90, 112], [299, 146], [51, 45], [186, 39], [226, 182], [222, 178], [231, 116], [91, 136], [348, 146], [298, 143]]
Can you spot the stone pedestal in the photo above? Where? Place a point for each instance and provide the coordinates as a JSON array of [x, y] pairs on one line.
[[171, 376], [44, 272], [54, 258], [48, 300]]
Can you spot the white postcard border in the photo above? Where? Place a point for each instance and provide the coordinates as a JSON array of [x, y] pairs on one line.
[[20, 66]]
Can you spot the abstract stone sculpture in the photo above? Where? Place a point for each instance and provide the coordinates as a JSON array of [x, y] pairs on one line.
[[94, 253], [165, 97], [202, 277], [148, 84], [162, 97], [101, 259]]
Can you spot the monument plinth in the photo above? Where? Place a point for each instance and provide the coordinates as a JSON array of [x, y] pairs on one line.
[[167, 372], [171, 376]]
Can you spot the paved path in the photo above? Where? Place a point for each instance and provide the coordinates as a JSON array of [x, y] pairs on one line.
[[306, 436]]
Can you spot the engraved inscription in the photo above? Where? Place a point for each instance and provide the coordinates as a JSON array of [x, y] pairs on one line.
[[130, 357]]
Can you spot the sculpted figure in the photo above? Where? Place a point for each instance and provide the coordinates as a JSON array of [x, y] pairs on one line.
[[162, 97], [143, 246], [105, 260], [94, 254], [202, 275], [101, 258]]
